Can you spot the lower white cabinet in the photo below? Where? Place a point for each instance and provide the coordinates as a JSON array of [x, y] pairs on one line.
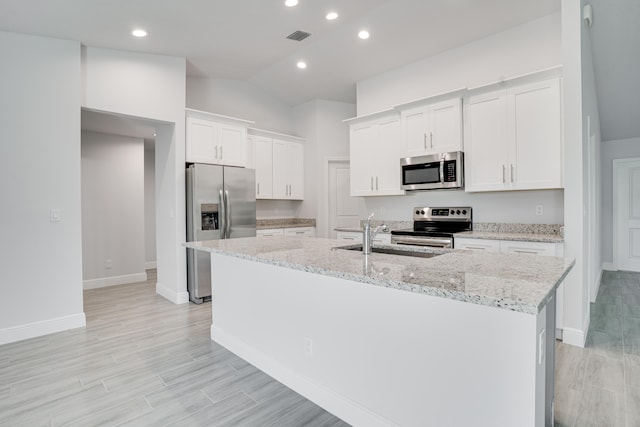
[[268, 232], [292, 231], [510, 246], [300, 231], [356, 237]]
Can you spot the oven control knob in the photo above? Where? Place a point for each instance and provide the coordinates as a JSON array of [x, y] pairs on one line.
[[417, 212], [422, 212], [458, 211], [464, 212], [453, 212]]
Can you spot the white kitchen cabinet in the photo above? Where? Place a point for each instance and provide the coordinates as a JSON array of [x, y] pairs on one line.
[[375, 156], [288, 170], [356, 237], [513, 138], [486, 245], [268, 232], [432, 128], [260, 158], [215, 139], [300, 232], [510, 246]]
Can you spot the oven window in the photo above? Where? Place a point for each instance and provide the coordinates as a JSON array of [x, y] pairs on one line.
[[421, 174]]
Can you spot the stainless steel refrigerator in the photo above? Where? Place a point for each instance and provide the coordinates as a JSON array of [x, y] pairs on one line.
[[221, 204]]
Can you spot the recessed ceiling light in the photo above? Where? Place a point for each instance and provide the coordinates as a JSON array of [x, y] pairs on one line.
[[290, 3], [364, 34], [139, 32], [331, 16], [302, 65]]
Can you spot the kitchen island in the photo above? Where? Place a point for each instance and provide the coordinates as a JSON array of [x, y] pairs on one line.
[[456, 339]]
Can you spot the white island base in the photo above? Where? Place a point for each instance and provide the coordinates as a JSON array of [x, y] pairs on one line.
[[377, 356]]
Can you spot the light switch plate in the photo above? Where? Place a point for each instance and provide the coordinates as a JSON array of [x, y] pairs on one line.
[[55, 215]]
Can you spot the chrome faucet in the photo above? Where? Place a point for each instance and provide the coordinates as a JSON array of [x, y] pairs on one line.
[[368, 235]]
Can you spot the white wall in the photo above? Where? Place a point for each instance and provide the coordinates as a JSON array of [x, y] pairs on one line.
[[241, 99], [113, 205], [150, 203], [519, 50], [150, 87], [41, 261], [327, 137], [618, 149]]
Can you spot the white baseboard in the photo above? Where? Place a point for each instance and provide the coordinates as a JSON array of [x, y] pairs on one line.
[[171, 295], [598, 283], [45, 327], [340, 406], [113, 281], [609, 266], [150, 265], [574, 337]]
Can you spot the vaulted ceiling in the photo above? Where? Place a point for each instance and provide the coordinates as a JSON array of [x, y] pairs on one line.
[[246, 40]]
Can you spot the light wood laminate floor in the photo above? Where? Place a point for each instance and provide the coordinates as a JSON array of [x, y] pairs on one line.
[[142, 361], [599, 385]]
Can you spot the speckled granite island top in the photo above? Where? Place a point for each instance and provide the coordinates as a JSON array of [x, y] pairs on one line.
[[517, 282]]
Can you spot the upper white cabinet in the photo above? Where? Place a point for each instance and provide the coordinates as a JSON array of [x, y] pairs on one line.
[[288, 171], [513, 138], [432, 128], [215, 139], [375, 151], [260, 150]]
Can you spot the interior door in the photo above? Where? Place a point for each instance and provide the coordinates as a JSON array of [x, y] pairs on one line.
[[627, 213], [343, 208]]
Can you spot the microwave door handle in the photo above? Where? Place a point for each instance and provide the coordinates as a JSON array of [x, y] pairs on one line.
[[442, 171]]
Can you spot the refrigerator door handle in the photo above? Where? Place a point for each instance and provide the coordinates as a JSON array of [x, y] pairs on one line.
[[223, 215], [227, 210]]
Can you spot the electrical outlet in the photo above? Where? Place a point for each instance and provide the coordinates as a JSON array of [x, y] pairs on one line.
[[108, 264], [539, 210], [308, 346], [55, 215]]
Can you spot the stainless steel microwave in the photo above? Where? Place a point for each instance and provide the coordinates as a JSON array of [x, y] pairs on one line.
[[433, 172]]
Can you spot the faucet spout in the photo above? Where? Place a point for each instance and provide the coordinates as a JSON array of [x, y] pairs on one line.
[[367, 236]]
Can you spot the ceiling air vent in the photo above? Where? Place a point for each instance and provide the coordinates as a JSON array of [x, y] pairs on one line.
[[298, 35]]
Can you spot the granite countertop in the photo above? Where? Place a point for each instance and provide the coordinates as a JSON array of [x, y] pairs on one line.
[[517, 282], [551, 233], [262, 224]]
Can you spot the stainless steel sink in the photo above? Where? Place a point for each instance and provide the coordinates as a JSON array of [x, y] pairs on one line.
[[390, 251]]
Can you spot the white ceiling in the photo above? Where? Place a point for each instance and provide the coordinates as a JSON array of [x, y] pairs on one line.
[[245, 40], [615, 45]]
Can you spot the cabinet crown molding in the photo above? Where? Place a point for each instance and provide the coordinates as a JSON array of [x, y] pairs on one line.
[[271, 134], [219, 118], [455, 93]]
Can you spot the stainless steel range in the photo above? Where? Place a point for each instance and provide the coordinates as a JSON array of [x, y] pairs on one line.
[[434, 227]]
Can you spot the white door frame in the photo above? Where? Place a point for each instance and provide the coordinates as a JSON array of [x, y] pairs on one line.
[[617, 163], [327, 163]]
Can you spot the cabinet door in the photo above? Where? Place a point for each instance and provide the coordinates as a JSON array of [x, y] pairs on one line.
[[352, 236], [296, 171], [263, 163], [485, 245], [415, 131], [535, 135], [232, 142], [202, 140], [280, 175], [385, 158], [486, 155], [520, 247], [445, 126], [362, 138], [268, 232]]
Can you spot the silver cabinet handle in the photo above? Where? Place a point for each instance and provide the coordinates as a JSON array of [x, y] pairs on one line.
[[372, 183], [431, 139], [425, 140], [475, 248], [216, 151], [520, 251], [221, 152], [511, 172], [376, 183], [504, 171], [258, 184]]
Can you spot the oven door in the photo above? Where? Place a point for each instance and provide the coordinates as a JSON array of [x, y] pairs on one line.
[[434, 242]]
